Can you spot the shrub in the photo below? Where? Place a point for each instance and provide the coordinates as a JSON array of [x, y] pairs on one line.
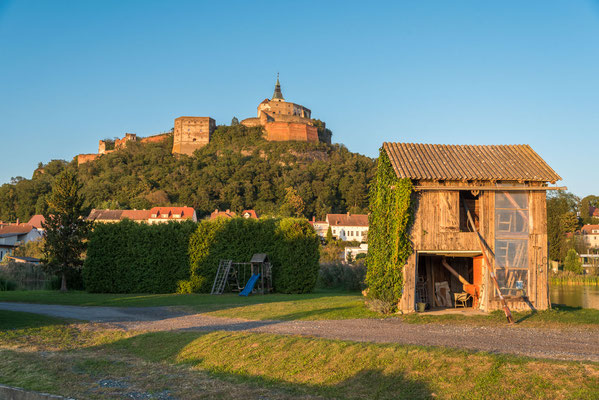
[[25, 275], [291, 244], [380, 306], [6, 285], [342, 276], [572, 262], [128, 257]]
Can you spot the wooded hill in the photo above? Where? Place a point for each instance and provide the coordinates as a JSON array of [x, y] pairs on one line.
[[237, 170]]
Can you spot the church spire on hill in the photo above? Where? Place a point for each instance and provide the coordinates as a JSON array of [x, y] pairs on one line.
[[278, 94]]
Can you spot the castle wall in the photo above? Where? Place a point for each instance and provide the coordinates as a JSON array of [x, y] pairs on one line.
[[283, 108], [84, 158], [192, 133], [122, 143], [282, 131], [155, 138]]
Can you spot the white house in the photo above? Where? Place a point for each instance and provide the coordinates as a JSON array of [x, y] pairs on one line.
[[590, 236], [167, 214], [349, 226], [14, 235]]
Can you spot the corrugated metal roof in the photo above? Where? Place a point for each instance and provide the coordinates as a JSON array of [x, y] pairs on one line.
[[468, 162]]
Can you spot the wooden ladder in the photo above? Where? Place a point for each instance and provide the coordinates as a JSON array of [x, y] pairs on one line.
[[222, 276]]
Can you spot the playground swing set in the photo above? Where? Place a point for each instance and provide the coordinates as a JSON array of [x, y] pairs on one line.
[[257, 275]]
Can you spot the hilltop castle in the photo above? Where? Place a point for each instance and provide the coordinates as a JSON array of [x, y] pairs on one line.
[[281, 120]]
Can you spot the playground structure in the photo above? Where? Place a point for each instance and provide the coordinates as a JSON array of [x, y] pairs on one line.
[[254, 276]]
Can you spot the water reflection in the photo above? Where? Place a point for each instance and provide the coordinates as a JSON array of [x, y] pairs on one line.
[[586, 296]]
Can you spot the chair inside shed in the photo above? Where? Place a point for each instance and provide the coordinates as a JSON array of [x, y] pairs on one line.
[[439, 287]]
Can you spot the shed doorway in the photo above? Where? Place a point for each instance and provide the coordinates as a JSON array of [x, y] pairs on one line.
[[448, 280]]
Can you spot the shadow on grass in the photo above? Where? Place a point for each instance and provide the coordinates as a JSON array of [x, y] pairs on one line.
[[11, 320], [366, 382]]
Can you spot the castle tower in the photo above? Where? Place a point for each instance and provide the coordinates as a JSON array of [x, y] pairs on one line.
[[192, 133], [278, 95]]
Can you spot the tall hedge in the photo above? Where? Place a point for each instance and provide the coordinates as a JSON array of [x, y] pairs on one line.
[[128, 257], [291, 244], [389, 243]]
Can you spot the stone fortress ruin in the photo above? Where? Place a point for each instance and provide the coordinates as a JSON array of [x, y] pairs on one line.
[[280, 119]]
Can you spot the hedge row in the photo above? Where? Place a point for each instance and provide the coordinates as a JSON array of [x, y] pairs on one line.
[[127, 257], [291, 244]]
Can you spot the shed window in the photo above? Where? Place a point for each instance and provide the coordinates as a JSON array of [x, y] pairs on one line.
[[511, 242]]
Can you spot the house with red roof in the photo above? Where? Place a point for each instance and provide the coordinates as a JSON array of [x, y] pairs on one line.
[[118, 215], [153, 216], [222, 214], [348, 226], [166, 214], [590, 236], [36, 221], [14, 235], [249, 214]]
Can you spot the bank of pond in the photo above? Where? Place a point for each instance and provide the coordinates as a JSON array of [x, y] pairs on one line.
[[575, 295]]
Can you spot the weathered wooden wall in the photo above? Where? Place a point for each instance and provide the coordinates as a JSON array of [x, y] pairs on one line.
[[436, 228]]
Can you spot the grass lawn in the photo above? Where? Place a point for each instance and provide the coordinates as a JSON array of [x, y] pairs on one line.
[[314, 306], [103, 364]]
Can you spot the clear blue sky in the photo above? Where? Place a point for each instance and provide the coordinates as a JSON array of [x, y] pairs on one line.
[[478, 72]]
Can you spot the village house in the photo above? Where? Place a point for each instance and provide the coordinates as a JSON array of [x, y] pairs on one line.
[[321, 227], [231, 214], [590, 263], [167, 214], [461, 191], [14, 235], [249, 214], [590, 236], [348, 226], [152, 216]]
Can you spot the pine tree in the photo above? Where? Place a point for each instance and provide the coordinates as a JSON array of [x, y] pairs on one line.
[[66, 229], [329, 235]]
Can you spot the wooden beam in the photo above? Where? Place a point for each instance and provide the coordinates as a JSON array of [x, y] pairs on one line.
[[462, 280], [506, 309]]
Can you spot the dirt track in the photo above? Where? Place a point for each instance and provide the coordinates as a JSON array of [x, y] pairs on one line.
[[566, 344]]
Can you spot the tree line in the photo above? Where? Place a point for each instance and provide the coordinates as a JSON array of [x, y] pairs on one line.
[[237, 170]]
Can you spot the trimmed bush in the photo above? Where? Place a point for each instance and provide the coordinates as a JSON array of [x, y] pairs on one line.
[[291, 244], [128, 257]]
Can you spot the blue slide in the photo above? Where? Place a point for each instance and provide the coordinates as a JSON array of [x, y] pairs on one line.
[[250, 285]]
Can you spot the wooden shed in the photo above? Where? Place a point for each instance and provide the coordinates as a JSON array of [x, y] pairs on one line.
[[503, 189]]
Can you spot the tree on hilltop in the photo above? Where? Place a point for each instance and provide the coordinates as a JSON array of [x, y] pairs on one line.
[[66, 229]]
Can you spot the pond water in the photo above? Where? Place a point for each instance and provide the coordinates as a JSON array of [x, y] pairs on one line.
[[586, 296]]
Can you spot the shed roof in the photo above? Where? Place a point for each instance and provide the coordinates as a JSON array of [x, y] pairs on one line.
[[468, 162], [259, 257]]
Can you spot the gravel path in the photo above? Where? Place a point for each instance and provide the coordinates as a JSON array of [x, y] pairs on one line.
[[562, 344]]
